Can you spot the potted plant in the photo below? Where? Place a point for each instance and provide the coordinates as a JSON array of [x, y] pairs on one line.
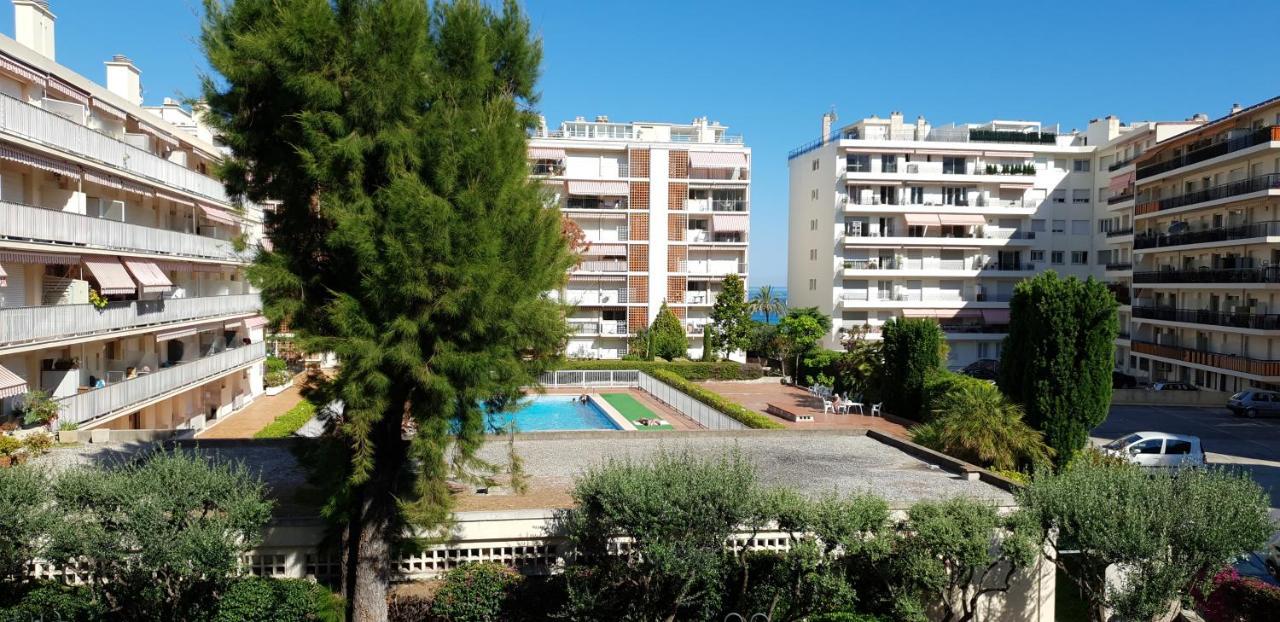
[[98, 301], [38, 408], [10, 449], [68, 432]]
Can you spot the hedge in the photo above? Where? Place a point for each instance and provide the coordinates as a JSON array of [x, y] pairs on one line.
[[745, 416], [689, 370], [285, 425]]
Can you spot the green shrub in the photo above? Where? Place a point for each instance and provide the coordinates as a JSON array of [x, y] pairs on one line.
[[408, 609], [258, 599], [939, 383], [278, 378], [38, 444], [53, 601], [666, 336], [285, 425], [475, 593], [745, 416], [847, 617], [275, 363], [689, 370], [9, 446]]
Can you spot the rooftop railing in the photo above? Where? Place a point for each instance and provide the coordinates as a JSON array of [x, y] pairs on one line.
[[1215, 234], [23, 325], [1230, 362], [1267, 274], [1259, 321], [1260, 183], [1221, 148]]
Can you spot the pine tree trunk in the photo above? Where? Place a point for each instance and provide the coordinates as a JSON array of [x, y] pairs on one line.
[[374, 519]]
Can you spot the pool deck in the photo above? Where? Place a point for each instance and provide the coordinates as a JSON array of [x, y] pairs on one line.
[[677, 420], [758, 395]]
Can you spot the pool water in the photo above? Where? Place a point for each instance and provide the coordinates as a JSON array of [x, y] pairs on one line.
[[550, 413]]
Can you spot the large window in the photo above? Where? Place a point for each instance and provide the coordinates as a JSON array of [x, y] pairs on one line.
[[953, 165], [1079, 258], [1079, 227], [955, 196], [1080, 196], [917, 195], [858, 163], [1059, 226], [889, 163], [1080, 165]]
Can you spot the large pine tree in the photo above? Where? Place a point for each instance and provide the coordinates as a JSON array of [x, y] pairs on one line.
[[408, 238]]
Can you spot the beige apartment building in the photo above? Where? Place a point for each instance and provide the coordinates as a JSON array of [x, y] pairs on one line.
[[122, 289], [666, 211]]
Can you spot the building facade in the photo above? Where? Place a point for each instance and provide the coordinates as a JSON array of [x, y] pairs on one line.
[[665, 210], [122, 288]]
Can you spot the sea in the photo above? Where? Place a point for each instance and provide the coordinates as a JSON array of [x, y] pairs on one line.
[[779, 291]]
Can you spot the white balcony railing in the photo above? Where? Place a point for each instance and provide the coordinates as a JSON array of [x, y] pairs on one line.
[[27, 223], [121, 396], [711, 268], [38, 324], [39, 125], [699, 297], [602, 265], [598, 327]]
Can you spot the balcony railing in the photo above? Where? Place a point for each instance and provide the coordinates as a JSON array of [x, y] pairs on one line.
[[602, 265], [695, 328], [1258, 321], [1119, 265], [1123, 163], [596, 204], [1254, 138], [598, 327], [128, 394], [984, 234], [1218, 234], [910, 296], [714, 269], [1120, 198], [700, 297], [26, 223], [1270, 274], [1115, 233], [47, 323], [1230, 362], [42, 126], [1260, 183]]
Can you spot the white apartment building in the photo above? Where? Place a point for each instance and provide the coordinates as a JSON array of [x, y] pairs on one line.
[[104, 201], [666, 209], [893, 219]]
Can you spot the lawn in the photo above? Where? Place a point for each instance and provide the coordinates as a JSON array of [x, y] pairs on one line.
[[285, 425], [633, 410]]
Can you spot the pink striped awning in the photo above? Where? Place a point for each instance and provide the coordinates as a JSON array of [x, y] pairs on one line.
[[1016, 186], [183, 266], [967, 220], [112, 278], [995, 316], [148, 275], [546, 153], [176, 333], [217, 215], [111, 181], [921, 220], [19, 69], [11, 384], [730, 222], [108, 110], [42, 163], [942, 314], [169, 196], [917, 313], [62, 90], [4, 277], [600, 188], [40, 258], [256, 321], [1120, 183], [717, 159]]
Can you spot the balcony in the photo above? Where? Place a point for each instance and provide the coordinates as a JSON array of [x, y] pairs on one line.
[[1121, 292], [1260, 183], [1229, 362], [695, 327], [919, 297], [602, 265], [33, 224], [1119, 266], [716, 205], [1123, 163], [32, 325], [714, 268], [1216, 234], [591, 203], [1120, 198], [134, 393], [1257, 321], [598, 327], [1115, 233], [1270, 274], [38, 125], [700, 297], [1251, 139]]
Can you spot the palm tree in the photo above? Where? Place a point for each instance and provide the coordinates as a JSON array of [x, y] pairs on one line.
[[765, 302], [975, 422]]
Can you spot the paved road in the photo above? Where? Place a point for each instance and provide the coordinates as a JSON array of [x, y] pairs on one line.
[[1250, 444]]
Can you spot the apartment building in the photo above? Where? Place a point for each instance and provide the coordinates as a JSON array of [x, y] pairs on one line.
[[894, 219], [122, 289], [666, 211], [1206, 268]]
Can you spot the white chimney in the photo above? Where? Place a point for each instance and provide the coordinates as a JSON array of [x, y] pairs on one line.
[[124, 79], [33, 26], [1235, 108], [827, 119]]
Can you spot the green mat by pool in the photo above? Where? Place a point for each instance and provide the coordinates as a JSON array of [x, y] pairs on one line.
[[633, 410]]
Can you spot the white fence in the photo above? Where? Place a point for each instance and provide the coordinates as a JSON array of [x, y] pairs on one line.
[[709, 417], [36, 324], [24, 222], [590, 378], [129, 393]]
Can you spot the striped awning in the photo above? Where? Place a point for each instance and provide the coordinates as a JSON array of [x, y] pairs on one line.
[[169, 196], [942, 314], [4, 277], [112, 277], [111, 181], [217, 215], [944, 152], [921, 220], [148, 275], [1008, 154], [966, 220], [730, 222], [235, 325], [1120, 183], [256, 321], [601, 250], [42, 163], [717, 159], [40, 258], [157, 134], [11, 384], [1026, 186], [600, 188], [177, 333], [996, 316], [546, 153], [183, 266], [108, 110], [19, 69], [61, 89]]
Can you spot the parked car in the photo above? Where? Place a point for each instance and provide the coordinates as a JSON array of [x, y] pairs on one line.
[[1272, 559], [982, 369], [1173, 386], [1254, 403], [1158, 450], [1120, 380]]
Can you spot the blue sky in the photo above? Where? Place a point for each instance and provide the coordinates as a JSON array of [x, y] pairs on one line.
[[769, 70]]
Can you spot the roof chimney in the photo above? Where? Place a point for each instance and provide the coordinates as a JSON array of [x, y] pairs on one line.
[[33, 26], [827, 119], [602, 118], [124, 79], [1235, 108]]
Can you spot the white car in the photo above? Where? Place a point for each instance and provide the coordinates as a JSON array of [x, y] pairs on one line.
[[1158, 450]]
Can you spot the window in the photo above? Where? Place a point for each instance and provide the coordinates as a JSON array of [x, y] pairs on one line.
[[813, 224], [813, 284], [1060, 164], [888, 163], [1150, 446], [816, 163], [1037, 225], [917, 195], [1055, 257], [1080, 165], [1079, 258], [1104, 257], [813, 194], [813, 254], [1037, 255], [1079, 227], [1174, 447], [858, 163], [953, 165], [984, 350], [1080, 196], [1059, 196], [1059, 226], [955, 196]]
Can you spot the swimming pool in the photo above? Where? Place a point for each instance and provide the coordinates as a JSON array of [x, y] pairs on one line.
[[554, 413]]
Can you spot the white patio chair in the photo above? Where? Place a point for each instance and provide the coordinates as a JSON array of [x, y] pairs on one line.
[[828, 407], [875, 410]]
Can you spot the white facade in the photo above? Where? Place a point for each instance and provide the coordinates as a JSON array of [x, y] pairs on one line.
[[104, 200], [666, 210]]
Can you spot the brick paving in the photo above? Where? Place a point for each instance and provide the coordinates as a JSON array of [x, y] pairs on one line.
[[255, 416], [756, 395]]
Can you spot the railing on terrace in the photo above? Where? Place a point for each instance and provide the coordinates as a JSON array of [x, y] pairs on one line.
[[595, 204], [720, 174], [39, 125], [1260, 183], [602, 265], [1120, 198], [122, 396], [37, 324], [1115, 233], [27, 223], [1218, 234], [1268, 274], [1119, 265], [1123, 163], [949, 134], [699, 297], [1221, 148], [1231, 362], [714, 269], [875, 200], [1260, 321], [875, 296]]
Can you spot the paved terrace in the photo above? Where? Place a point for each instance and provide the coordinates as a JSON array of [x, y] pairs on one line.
[[757, 395]]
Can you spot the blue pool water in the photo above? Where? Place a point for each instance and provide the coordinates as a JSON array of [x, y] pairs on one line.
[[548, 413]]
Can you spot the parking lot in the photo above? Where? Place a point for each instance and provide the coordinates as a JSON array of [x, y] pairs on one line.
[[1250, 444]]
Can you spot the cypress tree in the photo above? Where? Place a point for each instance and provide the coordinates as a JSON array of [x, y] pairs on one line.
[[913, 349], [666, 336], [408, 238], [1058, 357], [731, 316]]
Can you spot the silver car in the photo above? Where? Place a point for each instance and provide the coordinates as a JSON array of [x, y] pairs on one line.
[[1255, 403]]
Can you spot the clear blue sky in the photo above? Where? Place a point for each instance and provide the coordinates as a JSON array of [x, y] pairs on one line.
[[769, 70]]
